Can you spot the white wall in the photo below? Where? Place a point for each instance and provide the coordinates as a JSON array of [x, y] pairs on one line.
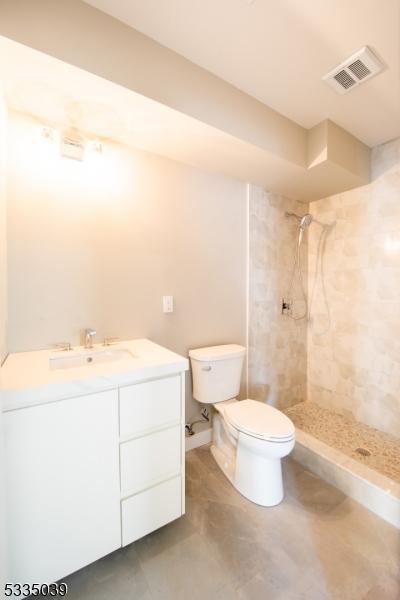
[[3, 213], [97, 244], [3, 322]]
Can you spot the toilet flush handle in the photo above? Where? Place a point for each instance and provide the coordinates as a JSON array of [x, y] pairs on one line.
[[207, 368]]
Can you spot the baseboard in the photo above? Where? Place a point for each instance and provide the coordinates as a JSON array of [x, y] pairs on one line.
[[198, 439]]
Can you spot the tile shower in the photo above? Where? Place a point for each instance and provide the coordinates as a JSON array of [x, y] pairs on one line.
[[338, 377], [277, 345], [354, 351]]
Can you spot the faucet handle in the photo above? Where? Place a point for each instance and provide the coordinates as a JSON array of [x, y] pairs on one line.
[[110, 340], [63, 347]]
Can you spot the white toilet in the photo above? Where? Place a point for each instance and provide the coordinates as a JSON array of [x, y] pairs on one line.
[[249, 437]]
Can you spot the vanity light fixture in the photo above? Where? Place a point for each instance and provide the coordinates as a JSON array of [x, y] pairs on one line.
[[72, 143]]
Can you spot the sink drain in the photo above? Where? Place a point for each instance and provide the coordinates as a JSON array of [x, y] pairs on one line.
[[363, 451]]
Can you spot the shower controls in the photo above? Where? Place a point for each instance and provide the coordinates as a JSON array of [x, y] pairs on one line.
[[286, 306]]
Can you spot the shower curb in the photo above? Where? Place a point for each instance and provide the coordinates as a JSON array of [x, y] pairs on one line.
[[375, 491]]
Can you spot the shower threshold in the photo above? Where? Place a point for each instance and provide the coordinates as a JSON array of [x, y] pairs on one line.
[[361, 461]]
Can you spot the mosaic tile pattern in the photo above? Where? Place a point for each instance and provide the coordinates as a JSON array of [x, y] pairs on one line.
[[277, 345], [343, 432], [354, 333]]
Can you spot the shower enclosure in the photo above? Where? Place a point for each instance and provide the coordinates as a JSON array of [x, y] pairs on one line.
[[336, 369]]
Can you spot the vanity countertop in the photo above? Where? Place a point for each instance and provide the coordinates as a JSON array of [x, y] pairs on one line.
[[28, 380]]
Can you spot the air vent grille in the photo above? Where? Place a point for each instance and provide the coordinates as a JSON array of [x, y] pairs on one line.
[[359, 67], [344, 79]]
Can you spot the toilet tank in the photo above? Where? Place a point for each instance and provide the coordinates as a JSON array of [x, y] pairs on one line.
[[216, 372]]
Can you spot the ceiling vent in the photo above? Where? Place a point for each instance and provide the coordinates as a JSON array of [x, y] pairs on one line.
[[359, 67]]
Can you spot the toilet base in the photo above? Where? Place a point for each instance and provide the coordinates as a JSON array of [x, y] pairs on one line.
[[256, 477], [226, 464]]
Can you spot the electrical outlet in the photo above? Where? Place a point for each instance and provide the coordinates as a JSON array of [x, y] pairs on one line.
[[168, 304]]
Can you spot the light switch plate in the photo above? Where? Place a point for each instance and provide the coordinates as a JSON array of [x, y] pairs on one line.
[[168, 304]]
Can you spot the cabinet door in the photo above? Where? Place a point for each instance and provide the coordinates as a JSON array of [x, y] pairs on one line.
[[62, 486]]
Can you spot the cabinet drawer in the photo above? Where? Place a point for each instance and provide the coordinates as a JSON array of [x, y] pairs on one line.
[[150, 510], [149, 459], [149, 405]]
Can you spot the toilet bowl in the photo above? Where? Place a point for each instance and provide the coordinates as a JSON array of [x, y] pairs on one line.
[[249, 437], [260, 436]]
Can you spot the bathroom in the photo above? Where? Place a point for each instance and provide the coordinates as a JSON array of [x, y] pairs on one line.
[[167, 216]]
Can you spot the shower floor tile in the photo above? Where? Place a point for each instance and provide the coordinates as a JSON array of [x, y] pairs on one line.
[[371, 447]]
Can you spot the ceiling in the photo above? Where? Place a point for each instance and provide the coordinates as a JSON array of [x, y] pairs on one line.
[[277, 51], [61, 95]]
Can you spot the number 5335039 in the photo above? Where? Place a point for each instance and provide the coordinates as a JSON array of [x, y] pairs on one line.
[[35, 589]]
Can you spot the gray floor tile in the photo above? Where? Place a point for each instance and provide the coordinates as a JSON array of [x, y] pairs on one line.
[[117, 576], [185, 570], [316, 545]]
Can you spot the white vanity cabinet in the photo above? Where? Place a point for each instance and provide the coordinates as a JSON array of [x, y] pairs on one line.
[[89, 474]]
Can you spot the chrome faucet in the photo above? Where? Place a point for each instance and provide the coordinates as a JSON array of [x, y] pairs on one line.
[[89, 335]]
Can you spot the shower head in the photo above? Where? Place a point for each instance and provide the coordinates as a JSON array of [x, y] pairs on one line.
[[306, 221]]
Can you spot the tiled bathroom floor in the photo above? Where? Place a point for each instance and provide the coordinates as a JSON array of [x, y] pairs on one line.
[[346, 434], [317, 545]]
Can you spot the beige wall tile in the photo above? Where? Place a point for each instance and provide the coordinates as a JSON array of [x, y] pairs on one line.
[[355, 364], [277, 344]]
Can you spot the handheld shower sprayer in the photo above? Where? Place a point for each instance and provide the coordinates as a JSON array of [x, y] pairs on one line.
[[304, 223]]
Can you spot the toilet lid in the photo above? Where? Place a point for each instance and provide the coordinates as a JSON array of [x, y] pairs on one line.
[[260, 420]]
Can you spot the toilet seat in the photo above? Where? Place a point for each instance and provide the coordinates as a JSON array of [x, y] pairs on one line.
[[259, 420]]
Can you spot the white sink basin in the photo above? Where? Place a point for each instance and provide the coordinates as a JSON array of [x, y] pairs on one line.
[[69, 360]]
